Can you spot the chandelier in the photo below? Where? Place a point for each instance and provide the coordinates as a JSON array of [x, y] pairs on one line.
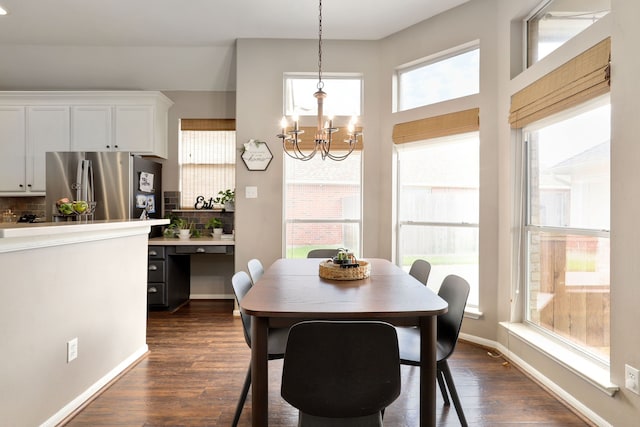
[[323, 138]]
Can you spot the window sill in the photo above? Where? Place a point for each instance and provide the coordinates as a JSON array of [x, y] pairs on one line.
[[473, 313], [573, 361]]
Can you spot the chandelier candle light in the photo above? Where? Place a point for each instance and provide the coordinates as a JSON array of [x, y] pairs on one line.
[[323, 138]]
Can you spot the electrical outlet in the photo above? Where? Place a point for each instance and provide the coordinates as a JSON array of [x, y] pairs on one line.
[[72, 349], [631, 379]]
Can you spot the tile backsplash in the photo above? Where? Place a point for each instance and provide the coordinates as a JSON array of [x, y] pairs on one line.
[[23, 205]]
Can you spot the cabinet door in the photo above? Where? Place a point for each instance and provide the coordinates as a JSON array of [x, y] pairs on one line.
[[134, 128], [91, 128], [47, 130], [12, 149]]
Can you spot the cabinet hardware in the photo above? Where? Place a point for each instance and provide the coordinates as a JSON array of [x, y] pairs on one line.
[[152, 290], [153, 267]]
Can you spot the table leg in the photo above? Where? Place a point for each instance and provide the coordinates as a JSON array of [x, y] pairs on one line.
[[428, 335], [259, 372]]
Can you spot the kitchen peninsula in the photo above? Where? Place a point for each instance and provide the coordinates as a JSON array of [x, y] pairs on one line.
[[74, 316]]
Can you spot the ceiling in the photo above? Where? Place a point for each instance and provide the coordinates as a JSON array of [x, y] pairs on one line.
[[172, 45], [204, 22]]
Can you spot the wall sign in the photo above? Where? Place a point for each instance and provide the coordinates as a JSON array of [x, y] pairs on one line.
[[256, 155]]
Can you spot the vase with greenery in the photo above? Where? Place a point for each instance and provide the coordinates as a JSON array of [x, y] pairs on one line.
[[227, 198]]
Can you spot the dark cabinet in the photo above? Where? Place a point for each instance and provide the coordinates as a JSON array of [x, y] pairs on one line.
[[167, 278]]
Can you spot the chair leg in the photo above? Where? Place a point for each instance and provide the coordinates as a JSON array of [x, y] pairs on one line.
[[243, 397], [444, 367], [443, 388]]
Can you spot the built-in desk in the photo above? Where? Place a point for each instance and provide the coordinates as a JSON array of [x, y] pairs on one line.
[[168, 283]]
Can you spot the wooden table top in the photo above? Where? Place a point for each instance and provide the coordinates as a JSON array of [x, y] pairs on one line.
[[293, 288]]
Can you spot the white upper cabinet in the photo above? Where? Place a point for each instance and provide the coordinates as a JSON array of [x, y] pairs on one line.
[[91, 128], [47, 130], [12, 149], [134, 128]]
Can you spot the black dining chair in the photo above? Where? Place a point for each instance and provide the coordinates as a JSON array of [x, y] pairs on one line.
[[256, 270], [420, 269], [322, 253], [454, 291], [341, 373], [276, 342]]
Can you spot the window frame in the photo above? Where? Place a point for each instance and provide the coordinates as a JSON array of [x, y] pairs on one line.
[[528, 229], [346, 221], [425, 62], [471, 307], [326, 77]]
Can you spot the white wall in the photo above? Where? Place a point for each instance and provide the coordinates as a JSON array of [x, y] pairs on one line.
[[54, 294], [261, 65]]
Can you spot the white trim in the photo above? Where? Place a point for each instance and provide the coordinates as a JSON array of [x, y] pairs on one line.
[[93, 389], [473, 313], [555, 389], [579, 365], [211, 296]]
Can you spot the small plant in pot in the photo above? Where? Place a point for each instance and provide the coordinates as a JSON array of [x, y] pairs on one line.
[[227, 198], [215, 224]]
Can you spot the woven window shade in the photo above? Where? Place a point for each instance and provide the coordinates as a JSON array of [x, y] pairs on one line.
[[207, 124], [438, 126], [584, 77], [337, 143]]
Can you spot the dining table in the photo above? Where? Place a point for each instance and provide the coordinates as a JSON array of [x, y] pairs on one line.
[[291, 291]]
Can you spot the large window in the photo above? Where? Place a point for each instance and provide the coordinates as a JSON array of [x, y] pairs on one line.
[[207, 159], [556, 21], [323, 204], [438, 207], [446, 76], [567, 226]]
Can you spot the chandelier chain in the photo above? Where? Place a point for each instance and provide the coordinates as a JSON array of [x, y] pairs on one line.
[[320, 82]]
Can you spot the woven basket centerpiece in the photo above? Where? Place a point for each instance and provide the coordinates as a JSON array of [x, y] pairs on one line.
[[331, 271]]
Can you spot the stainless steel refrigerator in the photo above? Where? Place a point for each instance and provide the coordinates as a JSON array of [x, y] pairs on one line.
[[122, 185]]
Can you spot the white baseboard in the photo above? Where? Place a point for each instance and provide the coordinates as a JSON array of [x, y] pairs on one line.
[[211, 296], [538, 376], [93, 389], [554, 388]]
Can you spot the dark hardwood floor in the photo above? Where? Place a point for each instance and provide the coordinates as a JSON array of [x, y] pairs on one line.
[[198, 359]]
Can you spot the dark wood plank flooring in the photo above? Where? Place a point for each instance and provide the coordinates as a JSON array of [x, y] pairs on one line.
[[198, 360]]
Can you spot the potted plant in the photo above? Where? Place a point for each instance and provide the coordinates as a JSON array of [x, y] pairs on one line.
[[179, 227], [227, 198], [216, 225]]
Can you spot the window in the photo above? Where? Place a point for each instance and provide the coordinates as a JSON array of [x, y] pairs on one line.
[[556, 21], [445, 77], [207, 159], [438, 207], [567, 226], [323, 202], [344, 95]]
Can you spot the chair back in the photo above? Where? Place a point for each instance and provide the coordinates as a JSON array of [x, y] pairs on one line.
[[341, 369], [241, 283], [454, 291], [322, 253], [256, 270], [420, 269]]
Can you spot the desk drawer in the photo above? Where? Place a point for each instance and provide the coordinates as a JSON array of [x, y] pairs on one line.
[[156, 271], [204, 249], [156, 252], [156, 294]]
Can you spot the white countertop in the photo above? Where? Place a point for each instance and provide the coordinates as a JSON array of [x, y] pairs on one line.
[[193, 241], [57, 228]]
